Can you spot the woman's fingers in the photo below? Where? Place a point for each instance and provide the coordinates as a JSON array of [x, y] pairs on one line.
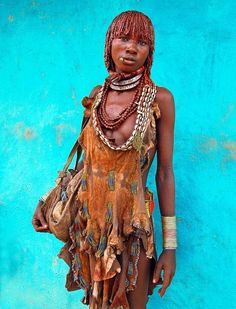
[[43, 229], [38, 226], [153, 285], [42, 219], [157, 273], [35, 223], [39, 223], [166, 283]]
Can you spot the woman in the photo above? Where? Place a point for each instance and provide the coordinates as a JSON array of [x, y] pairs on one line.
[[112, 248]]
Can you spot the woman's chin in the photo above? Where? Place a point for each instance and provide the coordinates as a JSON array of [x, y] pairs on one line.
[[126, 69]]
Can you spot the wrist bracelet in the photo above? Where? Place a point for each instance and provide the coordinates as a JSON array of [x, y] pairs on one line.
[[169, 232]]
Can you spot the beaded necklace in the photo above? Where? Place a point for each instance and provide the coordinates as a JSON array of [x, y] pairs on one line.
[[143, 105], [120, 79], [113, 123]]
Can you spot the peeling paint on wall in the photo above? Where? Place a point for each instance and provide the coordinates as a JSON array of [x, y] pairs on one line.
[[24, 132], [10, 18], [208, 145], [229, 112], [74, 97], [231, 147], [60, 132]]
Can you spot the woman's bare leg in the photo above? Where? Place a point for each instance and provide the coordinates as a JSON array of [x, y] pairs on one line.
[[139, 297]]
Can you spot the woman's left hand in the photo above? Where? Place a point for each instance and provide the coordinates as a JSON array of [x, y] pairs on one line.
[[167, 263]]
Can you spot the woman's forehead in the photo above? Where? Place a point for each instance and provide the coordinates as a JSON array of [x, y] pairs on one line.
[[131, 35]]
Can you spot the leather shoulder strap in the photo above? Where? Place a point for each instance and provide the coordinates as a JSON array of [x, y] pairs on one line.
[[77, 147]]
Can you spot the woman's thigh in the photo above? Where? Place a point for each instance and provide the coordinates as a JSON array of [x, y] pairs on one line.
[[139, 297]]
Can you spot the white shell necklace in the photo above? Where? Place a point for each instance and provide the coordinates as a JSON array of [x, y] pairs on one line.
[[143, 111]]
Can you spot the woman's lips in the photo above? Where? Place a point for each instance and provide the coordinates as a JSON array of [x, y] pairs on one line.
[[128, 60]]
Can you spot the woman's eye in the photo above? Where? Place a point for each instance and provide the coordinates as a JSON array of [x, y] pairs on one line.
[[143, 43], [124, 39]]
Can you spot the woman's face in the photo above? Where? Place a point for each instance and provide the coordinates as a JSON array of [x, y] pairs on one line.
[[128, 53]]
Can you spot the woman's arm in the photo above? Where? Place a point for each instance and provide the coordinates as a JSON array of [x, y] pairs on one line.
[[165, 141], [165, 180]]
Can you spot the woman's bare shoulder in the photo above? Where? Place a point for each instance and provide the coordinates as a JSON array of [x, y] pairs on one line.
[[165, 100], [95, 91], [163, 94], [88, 101]]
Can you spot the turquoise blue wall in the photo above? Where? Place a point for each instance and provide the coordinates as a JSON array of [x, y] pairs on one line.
[[51, 55]]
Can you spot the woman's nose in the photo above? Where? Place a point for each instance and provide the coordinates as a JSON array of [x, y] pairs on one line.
[[131, 47]]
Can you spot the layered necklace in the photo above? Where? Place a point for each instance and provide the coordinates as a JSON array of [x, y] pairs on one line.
[[142, 101], [122, 81]]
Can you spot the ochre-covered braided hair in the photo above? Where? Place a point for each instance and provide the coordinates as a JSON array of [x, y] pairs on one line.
[[132, 23]]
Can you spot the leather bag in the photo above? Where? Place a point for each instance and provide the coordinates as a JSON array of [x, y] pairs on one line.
[[60, 205]]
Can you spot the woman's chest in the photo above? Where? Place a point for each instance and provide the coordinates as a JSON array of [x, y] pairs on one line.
[[121, 121], [120, 135], [116, 107]]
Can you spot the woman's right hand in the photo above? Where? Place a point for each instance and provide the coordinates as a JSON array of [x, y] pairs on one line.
[[38, 221]]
